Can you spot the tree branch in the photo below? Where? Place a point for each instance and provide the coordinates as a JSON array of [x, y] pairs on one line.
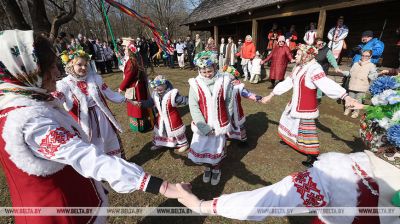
[[61, 19]]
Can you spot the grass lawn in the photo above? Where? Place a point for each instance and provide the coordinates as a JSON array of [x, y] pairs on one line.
[[262, 162]]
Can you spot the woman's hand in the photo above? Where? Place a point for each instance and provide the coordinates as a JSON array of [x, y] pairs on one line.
[[350, 102], [266, 99], [187, 198], [355, 105], [170, 190]]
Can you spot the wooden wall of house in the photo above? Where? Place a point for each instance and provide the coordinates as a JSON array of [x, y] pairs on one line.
[[236, 31], [358, 19]]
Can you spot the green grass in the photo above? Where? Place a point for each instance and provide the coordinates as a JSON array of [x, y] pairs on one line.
[[262, 162]]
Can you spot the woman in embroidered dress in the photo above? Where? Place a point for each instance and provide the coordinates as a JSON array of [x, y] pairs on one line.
[[84, 94], [210, 107], [169, 130], [297, 125], [45, 155], [135, 85], [355, 180]]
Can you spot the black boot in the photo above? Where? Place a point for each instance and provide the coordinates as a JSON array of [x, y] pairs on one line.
[[310, 160]]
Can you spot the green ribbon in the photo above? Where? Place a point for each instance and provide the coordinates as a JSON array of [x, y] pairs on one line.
[[110, 30]]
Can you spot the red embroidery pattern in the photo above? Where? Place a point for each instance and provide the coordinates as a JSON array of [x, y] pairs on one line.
[[285, 129], [53, 140], [82, 85], [308, 190], [169, 139], [318, 76], [205, 155], [57, 95], [214, 204], [104, 86], [144, 180]]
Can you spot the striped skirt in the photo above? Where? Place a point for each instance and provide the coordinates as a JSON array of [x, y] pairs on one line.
[[307, 138], [300, 134]]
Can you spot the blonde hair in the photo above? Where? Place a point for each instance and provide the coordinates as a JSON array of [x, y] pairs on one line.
[[69, 68]]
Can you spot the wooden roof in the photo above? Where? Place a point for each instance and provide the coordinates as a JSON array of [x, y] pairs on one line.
[[210, 9]]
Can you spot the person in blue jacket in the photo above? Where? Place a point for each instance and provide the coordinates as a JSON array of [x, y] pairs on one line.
[[369, 43]]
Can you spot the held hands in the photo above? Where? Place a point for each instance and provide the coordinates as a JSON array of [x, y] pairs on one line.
[[353, 104], [266, 99], [170, 190], [187, 198]]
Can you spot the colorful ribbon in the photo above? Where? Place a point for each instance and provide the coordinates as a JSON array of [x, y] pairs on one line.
[[159, 36]]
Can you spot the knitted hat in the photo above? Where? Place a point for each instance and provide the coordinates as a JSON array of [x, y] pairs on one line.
[[281, 38], [367, 33]]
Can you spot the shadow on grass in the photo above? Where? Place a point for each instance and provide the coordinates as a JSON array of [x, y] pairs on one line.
[[356, 145], [232, 166], [146, 154]]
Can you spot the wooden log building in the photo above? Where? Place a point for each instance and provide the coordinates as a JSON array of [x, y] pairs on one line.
[[237, 18]]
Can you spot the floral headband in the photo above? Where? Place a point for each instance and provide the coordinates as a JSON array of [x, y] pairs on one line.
[[231, 70], [205, 59], [158, 81], [308, 49], [67, 56], [380, 126]]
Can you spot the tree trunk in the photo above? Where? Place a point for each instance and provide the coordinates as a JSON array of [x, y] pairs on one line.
[[37, 11], [14, 15]]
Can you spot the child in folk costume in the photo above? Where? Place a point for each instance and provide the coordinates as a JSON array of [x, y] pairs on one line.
[[358, 180], [210, 106], [169, 130], [255, 69], [297, 124], [238, 129], [84, 95]]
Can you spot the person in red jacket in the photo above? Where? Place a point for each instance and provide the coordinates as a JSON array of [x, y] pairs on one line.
[[247, 53], [135, 85], [280, 57]]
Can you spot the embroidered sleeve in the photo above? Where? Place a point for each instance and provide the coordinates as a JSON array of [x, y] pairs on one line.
[[328, 86], [299, 190], [48, 140], [108, 93], [64, 94]]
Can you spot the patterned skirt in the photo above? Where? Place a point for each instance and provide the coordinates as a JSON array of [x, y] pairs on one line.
[[142, 125], [300, 134]]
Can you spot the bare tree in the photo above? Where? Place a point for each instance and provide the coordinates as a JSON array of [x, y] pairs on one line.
[[37, 15]]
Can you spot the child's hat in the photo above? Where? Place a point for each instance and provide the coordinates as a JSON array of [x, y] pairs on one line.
[[158, 81]]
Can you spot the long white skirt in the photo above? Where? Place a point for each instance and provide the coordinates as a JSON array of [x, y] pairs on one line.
[[207, 149], [103, 134], [170, 142]]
